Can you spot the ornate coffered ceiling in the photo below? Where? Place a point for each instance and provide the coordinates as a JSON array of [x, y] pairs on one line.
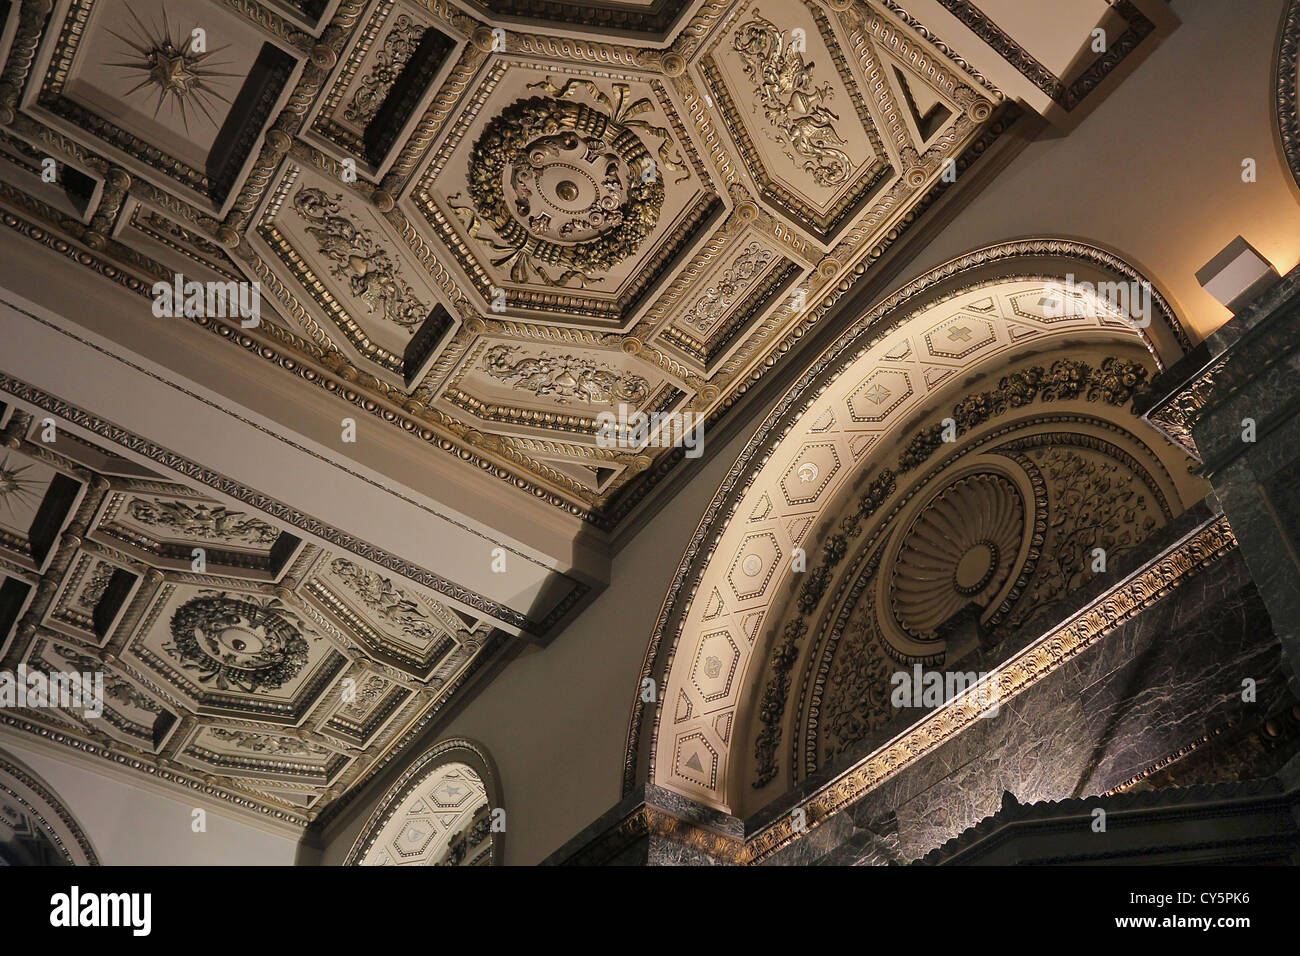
[[239, 659], [486, 223]]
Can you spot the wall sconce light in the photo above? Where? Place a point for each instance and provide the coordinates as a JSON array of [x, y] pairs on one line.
[[1237, 275]]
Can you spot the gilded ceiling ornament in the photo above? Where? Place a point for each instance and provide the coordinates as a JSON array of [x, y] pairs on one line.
[[566, 378], [201, 520], [1114, 382], [358, 260], [380, 595], [180, 72], [16, 491], [237, 644], [94, 589], [115, 687], [399, 45], [180, 234], [857, 695], [1095, 502], [720, 296], [792, 101], [560, 185], [273, 745], [368, 693]]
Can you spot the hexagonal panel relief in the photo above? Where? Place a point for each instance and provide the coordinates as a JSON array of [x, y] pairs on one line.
[[397, 625], [129, 714], [566, 195], [879, 394], [810, 473], [523, 387], [262, 755], [959, 336], [755, 563], [716, 658], [696, 760], [165, 524]]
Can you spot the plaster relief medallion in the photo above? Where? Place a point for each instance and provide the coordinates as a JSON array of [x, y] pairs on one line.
[[792, 100], [392, 605], [236, 644], [268, 744], [565, 378], [198, 520], [562, 191], [567, 192], [358, 260]]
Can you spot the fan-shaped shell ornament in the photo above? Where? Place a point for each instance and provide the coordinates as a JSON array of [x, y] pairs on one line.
[[959, 549]]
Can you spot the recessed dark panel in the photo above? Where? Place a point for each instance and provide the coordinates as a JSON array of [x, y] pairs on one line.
[[425, 342], [13, 593], [410, 85], [282, 551], [105, 612], [78, 187], [655, 20], [51, 514], [162, 723], [248, 114]]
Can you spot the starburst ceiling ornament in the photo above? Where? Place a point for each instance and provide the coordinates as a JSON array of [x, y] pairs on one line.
[[14, 488], [180, 71]]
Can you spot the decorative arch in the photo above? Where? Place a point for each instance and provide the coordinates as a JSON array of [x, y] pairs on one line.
[[848, 463], [36, 829], [440, 812], [1287, 90]]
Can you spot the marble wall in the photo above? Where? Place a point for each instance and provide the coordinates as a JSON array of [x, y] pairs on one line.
[[1159, 684]]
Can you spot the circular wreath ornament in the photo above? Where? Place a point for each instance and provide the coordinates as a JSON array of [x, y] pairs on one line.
[[563, 184], [237, 644]]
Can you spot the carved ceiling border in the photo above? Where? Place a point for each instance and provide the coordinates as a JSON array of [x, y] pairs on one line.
[[1288, 87], [10, 766], [1067, 97]]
